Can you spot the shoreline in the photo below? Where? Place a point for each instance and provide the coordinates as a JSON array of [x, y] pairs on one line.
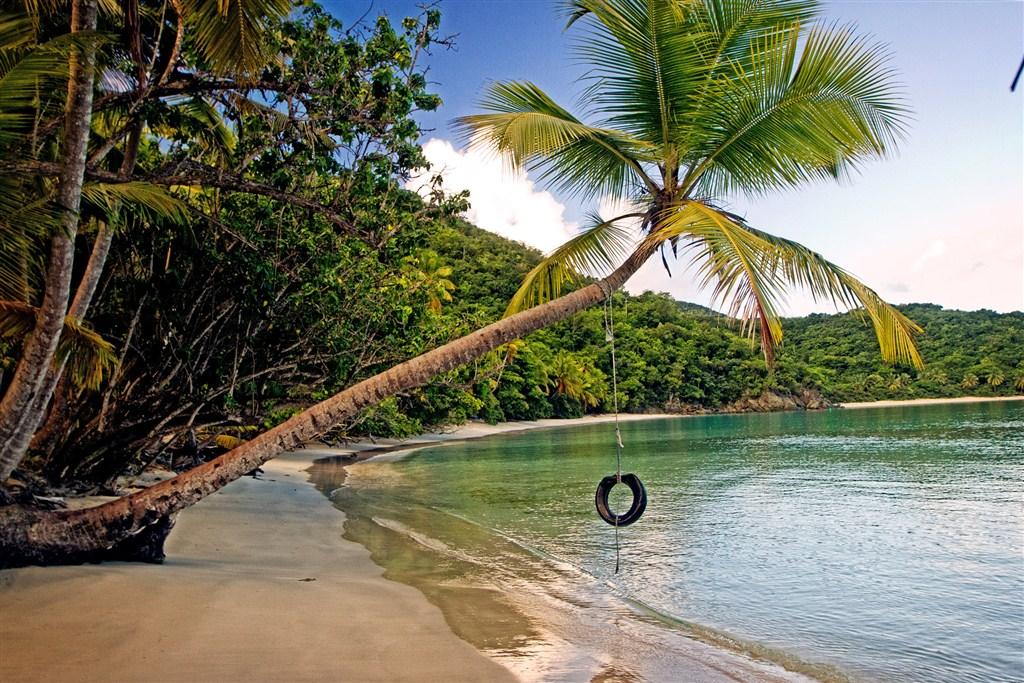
[[696, 652], [258, 585], [394, 449], [860, 405]]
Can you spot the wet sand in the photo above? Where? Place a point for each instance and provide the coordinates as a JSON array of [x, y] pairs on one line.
[[258, 586]]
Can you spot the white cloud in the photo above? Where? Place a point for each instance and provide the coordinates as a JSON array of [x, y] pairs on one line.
[[501, 200], [935, 249]]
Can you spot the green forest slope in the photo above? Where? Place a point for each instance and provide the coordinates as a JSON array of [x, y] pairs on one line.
[[678, 356]]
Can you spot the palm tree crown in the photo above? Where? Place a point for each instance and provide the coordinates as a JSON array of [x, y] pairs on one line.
[[694, 101]]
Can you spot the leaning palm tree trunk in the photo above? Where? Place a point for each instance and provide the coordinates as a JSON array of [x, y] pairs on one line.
[[18, 420], [134, 527]]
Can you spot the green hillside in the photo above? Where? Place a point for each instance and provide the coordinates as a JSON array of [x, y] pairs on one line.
[[678, 356]]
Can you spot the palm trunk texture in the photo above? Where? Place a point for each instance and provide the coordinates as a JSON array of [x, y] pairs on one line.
[[17, 423], [134, 527], [38, 414]]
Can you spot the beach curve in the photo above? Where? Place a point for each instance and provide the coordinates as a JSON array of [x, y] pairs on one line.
[[258, 586]]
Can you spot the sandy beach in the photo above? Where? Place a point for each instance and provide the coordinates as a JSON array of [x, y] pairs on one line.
[[259, 585], [929, 401]]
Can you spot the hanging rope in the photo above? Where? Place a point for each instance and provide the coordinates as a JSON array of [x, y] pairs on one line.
[[639, 504], [609, 335]]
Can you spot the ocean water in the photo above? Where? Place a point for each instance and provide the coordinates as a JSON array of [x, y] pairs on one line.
[[874, 545]]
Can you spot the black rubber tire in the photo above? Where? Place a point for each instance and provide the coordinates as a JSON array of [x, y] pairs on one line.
[[636, 509]]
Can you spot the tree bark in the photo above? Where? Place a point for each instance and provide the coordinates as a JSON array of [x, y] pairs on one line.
[[73, 537], [40, 347], [80, 303], [51, 385], [100, 248]]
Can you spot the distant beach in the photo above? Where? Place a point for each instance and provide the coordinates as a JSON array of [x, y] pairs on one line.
[[397, 448], [928, 401]]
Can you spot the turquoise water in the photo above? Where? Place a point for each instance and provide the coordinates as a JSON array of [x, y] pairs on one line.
[[887, 543]]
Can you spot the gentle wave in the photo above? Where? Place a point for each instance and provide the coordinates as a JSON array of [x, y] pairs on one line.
[[891, 549]]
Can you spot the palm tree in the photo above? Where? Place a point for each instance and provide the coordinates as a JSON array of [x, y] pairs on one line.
[[576, 380], [40, 347], [694, 102], [227, 37], [996, 378], [428, 272]]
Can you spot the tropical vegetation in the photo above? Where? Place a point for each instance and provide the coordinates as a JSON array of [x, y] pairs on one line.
[[219, 188]]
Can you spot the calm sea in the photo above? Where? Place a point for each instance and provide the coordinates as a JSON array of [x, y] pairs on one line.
[[875, 544]]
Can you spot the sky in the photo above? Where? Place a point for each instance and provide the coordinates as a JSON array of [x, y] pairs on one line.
[[942, 222]]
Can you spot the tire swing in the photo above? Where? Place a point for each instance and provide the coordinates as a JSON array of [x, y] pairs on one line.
[[604, 488], [636, 508]]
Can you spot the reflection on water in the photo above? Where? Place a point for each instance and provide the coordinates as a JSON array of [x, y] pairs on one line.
[[887, 542]]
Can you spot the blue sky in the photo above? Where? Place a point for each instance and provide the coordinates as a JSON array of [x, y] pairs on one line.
[[943, 222]]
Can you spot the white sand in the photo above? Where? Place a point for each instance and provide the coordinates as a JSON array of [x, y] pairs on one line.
[[230, 604], [929, 401]]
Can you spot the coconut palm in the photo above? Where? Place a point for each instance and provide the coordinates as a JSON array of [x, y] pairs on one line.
[[427, 272], [575, 379], [227, 37], [692, 102]]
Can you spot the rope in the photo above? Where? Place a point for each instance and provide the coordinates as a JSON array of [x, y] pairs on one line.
[[609, 328]]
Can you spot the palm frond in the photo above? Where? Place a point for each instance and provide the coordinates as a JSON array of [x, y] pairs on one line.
[[232, 34], [25, 219], [796, 116], [731, 27], [26, 70], [16, 320], [646, 65], [146, 200], [532, 131], [826, 281], [209, 126], [733, 263], [16, 30], [594, 251], [88, 358], [748, 270]]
